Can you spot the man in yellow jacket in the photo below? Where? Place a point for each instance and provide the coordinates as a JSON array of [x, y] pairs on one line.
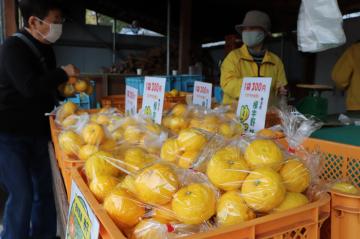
[[346, 75], [252, 60]]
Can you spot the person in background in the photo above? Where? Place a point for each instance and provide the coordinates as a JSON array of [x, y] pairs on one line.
[[252, 60], [346, 75], [29, 79]]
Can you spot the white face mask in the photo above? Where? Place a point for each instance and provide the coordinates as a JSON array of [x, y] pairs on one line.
[[253, 38], [54, 33]]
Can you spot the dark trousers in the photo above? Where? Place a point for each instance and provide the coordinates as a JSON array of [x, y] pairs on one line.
[[25, 174]]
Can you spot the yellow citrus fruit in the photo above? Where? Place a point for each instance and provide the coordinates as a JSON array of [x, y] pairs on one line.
[[117, 134], [136, 159], [211, 119], [166, 121], [176, 123], [174, 93], [295, 175], [70, 143], [264, 153], [87, 150], [179, 110], [231, 209], [128, 121], [123, 208], [69, 121], [227, 130], [97, 165], [194, 204], [170, 150], [156, 184], [227, 169], [268, 133], [81, 86], [345, 188], [93, 134], [152, 127], [67, 109], [164, 213], [292, 200], [102, 185], [128, 183], [150, 229], [187, 159], [210, 127], [109, 145], [133, 134], [263, 189], [191, 140], [196, 123], [103, 119]]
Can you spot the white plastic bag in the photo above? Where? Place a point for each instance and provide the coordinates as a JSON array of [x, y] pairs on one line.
[[320, 26]]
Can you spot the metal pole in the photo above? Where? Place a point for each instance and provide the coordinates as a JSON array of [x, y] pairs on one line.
[[168, 38], [114, 42]]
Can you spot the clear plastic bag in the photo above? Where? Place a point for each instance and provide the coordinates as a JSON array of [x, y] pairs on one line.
[[320, 26], [220, 120]]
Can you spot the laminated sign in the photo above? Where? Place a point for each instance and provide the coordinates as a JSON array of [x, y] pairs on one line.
[[253, 102], [82, 223], [202, 94], [153, 98], [131, 95]]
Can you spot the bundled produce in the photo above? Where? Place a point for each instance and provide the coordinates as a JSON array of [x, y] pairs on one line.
[[154, 187], [219, 120], [107, 130], [75, 85]]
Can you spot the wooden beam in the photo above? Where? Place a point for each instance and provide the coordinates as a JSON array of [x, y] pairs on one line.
[[10, 10], [185, 36]]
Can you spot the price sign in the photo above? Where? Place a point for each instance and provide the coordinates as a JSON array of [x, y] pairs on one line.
[[131, 95], [153, 98], [202, 94], [253, 103], [82, 223]]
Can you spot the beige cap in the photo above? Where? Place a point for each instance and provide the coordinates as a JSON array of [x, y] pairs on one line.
[[255, 19]]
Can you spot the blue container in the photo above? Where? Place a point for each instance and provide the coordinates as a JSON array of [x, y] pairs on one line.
[[218, 93], [188, 81], [83, 100], [176, 83], [138, 83]]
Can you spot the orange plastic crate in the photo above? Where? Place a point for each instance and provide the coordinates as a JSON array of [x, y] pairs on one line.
[[118, 101], [340, 161], [299, 223], [108, 229]]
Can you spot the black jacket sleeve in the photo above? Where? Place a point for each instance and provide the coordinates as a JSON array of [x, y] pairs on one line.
[[29, 81]]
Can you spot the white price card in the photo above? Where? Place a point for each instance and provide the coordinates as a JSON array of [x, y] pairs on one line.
[[253, 102], [131, 96], [82, 223], [153, 98], [202, 94]]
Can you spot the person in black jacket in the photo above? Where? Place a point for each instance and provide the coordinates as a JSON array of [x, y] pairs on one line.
[[29, 79]]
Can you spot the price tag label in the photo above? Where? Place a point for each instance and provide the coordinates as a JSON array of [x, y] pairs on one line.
[[202, 94], [131, 96], [153, 98], [82, 223], [253, 102]]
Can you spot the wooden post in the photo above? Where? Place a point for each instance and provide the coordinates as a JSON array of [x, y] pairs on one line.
[[185, 35], [10, 10]]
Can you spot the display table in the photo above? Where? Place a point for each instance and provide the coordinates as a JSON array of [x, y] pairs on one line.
[[344, 134], [62, 205]]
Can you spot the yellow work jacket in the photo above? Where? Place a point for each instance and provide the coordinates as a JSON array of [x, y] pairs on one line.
[[346, 75], [239, 64]]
